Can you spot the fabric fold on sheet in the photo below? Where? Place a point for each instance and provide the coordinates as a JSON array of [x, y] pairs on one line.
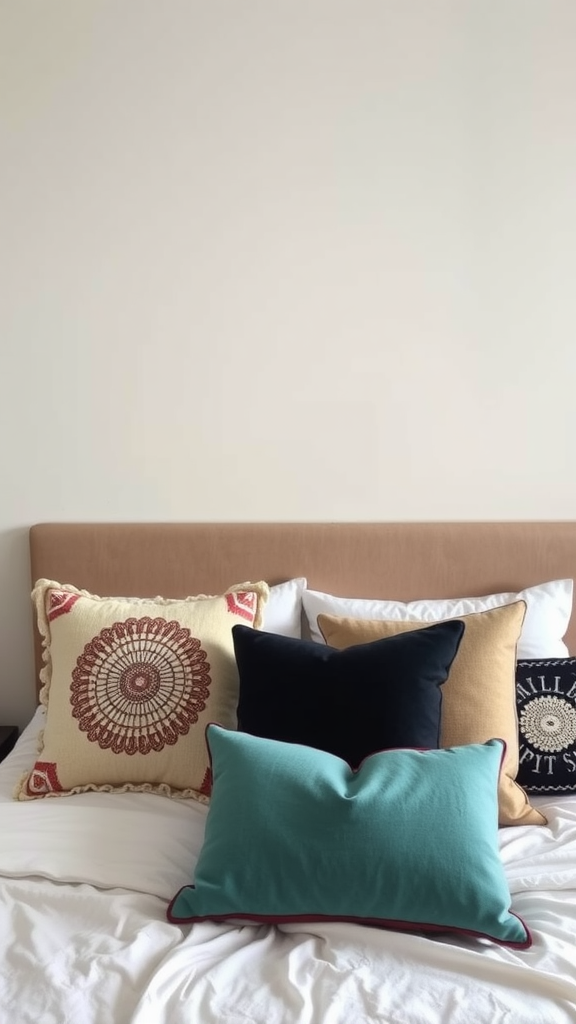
[[340, 972], [135, 845], [546, 860]]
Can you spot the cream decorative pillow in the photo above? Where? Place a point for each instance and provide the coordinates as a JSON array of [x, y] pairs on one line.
[[129, 686], [479, 696]]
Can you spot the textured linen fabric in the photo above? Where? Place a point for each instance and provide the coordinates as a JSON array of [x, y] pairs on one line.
[[478, 698], [408, 841], [129, 685]]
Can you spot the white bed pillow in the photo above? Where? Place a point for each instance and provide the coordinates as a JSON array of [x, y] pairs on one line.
[[548, 610], [283, 611]]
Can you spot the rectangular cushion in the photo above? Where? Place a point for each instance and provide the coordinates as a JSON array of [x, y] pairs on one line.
[[408, 841]]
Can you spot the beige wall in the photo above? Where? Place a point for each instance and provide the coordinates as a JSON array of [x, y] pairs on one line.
[[283, 259]]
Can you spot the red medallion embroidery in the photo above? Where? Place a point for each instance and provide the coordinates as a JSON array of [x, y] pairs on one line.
[[43, 779], [60, 602], [140, 685], [242, 603]]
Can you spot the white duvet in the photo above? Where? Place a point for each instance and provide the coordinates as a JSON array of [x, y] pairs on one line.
[[84, 886]]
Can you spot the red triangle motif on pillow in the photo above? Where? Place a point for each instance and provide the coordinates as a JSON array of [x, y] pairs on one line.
[[242, 603]]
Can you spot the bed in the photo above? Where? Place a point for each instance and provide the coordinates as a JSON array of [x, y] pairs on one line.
[[89, 874]]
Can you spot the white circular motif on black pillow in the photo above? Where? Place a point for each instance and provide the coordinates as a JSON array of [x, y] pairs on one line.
[[139, 685], [549, 723]]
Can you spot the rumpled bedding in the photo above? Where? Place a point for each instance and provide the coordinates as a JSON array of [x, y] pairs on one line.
[[84, 886]]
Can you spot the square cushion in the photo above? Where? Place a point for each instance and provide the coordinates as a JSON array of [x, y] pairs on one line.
[[478, 700], [408, 841], [350, 703], [129, 686], [548, 611], [546, 702]]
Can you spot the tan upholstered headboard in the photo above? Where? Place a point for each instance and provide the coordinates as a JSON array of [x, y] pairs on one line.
[[393, 560]]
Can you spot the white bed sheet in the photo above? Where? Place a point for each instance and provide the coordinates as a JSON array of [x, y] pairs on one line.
[[84, 886]]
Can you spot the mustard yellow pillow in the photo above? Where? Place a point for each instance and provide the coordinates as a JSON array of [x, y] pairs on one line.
[[130, 685], [478, 698]]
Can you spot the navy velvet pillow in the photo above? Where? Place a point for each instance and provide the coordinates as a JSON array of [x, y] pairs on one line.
[[350, 703], [546, 703]]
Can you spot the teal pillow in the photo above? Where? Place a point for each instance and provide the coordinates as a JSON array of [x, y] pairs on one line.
[[408, 841]]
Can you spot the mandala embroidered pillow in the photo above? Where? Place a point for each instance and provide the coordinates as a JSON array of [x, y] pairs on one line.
[[408, 841], [546, 702], [129, 686]]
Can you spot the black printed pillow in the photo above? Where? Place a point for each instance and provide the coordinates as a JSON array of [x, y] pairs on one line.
[[546, 703]]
